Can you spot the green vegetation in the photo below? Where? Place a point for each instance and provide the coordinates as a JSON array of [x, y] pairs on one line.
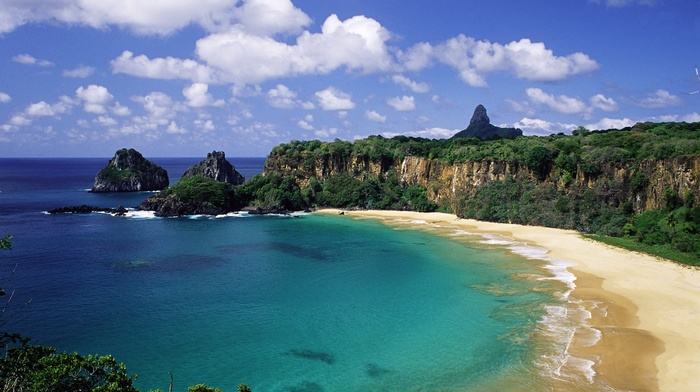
[[197, 189], [129, 163], [593, 182]]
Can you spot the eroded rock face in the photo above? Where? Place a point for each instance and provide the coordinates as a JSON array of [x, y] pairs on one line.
[[129, 171], [217, 167]]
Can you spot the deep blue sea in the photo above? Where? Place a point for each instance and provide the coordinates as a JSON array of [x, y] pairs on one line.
[[307, 303]]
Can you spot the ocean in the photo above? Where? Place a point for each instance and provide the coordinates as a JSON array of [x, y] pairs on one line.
[[310, 302]]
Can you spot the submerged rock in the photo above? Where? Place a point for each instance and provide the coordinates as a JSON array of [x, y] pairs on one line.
[[217, 167], [129, 171]]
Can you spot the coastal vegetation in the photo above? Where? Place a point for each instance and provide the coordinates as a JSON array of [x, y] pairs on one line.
[[617, 183]]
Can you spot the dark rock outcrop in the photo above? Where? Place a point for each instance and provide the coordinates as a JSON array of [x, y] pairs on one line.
[[217, 167], [129, 171], [480, 127], [173, 206], [86, 209]]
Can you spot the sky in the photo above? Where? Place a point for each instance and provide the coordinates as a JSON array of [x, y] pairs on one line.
[[180, 78]]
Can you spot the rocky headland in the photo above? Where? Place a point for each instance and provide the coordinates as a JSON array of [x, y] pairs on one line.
[[129, 171], [216, 166]]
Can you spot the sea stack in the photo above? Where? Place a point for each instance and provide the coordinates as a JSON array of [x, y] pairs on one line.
[[217, 167], [129, 171], [480, 127]]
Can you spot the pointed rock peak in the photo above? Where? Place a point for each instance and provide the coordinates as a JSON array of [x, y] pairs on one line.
[[480, 116]]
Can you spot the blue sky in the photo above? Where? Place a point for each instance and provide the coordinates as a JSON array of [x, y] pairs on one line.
[[185, 77]]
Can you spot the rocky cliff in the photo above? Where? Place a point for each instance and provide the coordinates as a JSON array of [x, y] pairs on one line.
[[644, 185], [216, 166], [129, 171]]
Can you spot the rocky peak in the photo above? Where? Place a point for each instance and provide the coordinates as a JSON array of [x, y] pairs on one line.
[[217, 167], [480, 116], [129, 171], [480, 127]]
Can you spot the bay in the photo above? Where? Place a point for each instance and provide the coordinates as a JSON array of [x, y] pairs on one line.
[[313, 303]]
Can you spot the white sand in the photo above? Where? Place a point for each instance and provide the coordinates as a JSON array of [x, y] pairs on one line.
[[649, 300]]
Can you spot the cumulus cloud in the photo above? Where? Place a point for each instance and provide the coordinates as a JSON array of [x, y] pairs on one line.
[[95, 98], [79, 72], [268, 17], [159, 106], [428, 133], [535, 126], [334, 99], [161, 68], [44, 109], [27, 59], [473, 59], [374, 116], [282, 97], [600, 101], [412, 85], [235, 55], [402, 104], [197, 96], [4, 97], [658, 99], [561, 103], [612, 123]]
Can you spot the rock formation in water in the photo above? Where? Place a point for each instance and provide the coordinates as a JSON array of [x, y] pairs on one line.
[[129, 171], [217, 167], [480, 127]]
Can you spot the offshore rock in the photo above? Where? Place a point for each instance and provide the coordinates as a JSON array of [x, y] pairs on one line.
[[217, 167], [129, 171], [173, 206], [86, 209], [480, 127]]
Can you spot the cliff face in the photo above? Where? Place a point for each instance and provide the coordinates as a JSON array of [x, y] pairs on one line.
[[644, 185], [129, 171], [217, 167]]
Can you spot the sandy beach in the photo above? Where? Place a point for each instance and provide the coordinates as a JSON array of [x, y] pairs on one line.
[[647, 309]]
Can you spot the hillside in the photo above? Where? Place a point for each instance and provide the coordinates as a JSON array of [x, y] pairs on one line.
[[608, 182]]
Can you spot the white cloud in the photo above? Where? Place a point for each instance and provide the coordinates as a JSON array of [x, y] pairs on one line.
[[402, 104], [474, 59], [659, 99], [326, 133], [282, 97], [160, 106], [612, 123], [44, 109], [119, 110], [30, 60], [414, 86], [268, 17], [173, 128], [534, 126], [95, 98], [80, 72], [334, 99], [429, 133], [161, 68], [106, 121], [604, 103], [204, 125], [235, 56], [4, 97], [197, 96], [374, 116], [561, 104]]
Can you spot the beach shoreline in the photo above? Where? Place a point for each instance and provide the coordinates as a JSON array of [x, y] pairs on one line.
[[646, 309]]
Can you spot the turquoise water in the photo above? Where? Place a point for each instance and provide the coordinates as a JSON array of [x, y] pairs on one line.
[[313, 303]]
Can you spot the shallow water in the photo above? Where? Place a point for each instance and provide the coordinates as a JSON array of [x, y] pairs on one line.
[[313, 303]]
